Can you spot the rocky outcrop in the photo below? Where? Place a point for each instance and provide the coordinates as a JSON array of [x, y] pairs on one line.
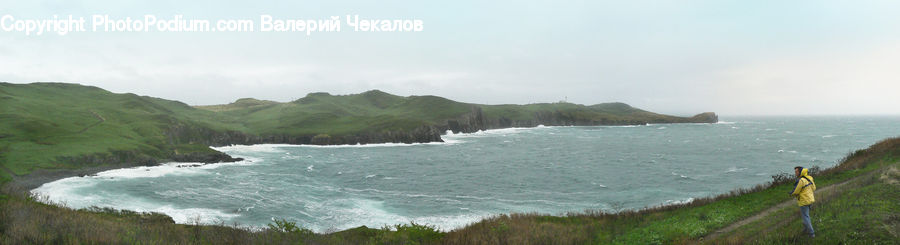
[[473, 121], [476, 120], [137, 158], [706, 117], [204, 157]]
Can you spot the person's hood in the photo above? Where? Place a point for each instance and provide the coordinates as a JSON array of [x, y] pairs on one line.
[[805, 173]]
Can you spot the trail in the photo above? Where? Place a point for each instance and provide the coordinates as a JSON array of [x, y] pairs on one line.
[[821, 194], [99, 117]]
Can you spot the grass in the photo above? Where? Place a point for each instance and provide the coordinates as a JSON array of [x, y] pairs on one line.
[[865, 210], [43, 122], [25, 220], [868, 212]]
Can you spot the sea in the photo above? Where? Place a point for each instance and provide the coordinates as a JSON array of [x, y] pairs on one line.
[[468, 177]]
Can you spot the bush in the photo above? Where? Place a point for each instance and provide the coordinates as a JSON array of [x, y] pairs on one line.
[[408, 234], [284, 226]]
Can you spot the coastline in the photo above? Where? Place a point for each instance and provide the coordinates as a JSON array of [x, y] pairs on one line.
[[516, 222], [28, 183], [38, 177], [25, 183]]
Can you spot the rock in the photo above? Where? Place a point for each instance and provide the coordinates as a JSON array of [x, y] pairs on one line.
[[706, 117]]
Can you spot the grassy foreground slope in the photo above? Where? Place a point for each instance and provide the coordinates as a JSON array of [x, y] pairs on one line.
[[71, 126]]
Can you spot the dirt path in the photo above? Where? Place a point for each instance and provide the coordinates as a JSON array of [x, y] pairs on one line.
[[99, 117], [820, 192]]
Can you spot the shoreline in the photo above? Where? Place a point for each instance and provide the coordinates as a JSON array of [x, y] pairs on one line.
[[859, 157], [25, 184]]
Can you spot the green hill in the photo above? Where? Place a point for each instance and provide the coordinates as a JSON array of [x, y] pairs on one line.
[[55, 125]]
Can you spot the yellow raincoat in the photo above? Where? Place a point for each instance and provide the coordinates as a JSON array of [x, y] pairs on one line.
[[804, 189]]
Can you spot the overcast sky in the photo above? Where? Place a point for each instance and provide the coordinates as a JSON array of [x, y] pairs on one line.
[[675, 57]]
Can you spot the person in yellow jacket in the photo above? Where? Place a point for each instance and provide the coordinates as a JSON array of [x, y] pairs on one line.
[[803, 191]]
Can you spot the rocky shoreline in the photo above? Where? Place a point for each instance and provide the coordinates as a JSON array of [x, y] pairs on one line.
[[471, 122], [105, 162]]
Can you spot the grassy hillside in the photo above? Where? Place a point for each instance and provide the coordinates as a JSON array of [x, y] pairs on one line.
[[43, 123], [322, 113]]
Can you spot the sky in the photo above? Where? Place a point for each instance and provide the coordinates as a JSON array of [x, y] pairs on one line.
[[675, 57]]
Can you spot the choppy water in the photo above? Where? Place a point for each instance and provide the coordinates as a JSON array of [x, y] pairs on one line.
[[547, 169]]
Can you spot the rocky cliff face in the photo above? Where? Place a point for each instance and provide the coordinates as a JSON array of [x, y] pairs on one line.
[[181, 134], [476, 120], [470, 122], [706, 117], [137, 158]]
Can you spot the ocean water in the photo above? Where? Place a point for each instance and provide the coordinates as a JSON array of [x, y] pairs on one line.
[[551, 170]]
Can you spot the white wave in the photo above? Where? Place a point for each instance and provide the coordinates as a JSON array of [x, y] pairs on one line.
[[63, 191], [149, 172], [680, 175], [490, 132], [450, 222], [67, 192], [357, 212], [733, 169], [828, 136], [622, 126], [771, 129], [724, 122], [191, 215], [685, 201], [268, 148], [661, 128], [451, 141], [171, 168]]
